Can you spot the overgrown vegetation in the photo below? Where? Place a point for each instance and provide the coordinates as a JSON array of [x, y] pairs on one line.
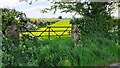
[[62, 52]]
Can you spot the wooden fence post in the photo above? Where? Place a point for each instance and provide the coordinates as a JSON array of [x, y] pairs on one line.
[[49, 33]]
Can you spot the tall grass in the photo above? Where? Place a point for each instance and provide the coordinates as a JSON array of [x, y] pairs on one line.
[[62, 52]]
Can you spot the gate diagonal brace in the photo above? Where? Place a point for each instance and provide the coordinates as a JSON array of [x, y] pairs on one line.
[[64, 31], [32, 34], [42, 32], [54, 32]]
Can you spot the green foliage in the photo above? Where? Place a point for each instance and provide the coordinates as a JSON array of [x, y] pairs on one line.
[[0, 58], [8, 17], [100, 48], [83, 8], [63, 52], [10, 24], [90, 26]]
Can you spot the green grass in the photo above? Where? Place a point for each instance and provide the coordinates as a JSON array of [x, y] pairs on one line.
[[92, 51], [59, 23], [64, 52]]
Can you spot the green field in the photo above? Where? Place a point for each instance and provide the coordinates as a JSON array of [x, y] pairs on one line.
[[59, 23]]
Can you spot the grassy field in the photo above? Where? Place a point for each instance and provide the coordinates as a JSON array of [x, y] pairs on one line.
[[59, 23]]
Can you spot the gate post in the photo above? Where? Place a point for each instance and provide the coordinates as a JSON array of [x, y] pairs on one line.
[[49, 32], [74, 33]]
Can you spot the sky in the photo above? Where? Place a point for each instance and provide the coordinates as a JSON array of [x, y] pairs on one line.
[[33, 10]]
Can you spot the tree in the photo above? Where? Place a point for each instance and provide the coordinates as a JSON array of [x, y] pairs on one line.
[[91, 11], [60, 17]]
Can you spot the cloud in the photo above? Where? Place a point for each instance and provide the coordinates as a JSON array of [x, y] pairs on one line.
[[34, 12], [35, 8]]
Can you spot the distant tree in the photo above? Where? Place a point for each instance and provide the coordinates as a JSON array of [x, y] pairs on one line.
[[60, 17]]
